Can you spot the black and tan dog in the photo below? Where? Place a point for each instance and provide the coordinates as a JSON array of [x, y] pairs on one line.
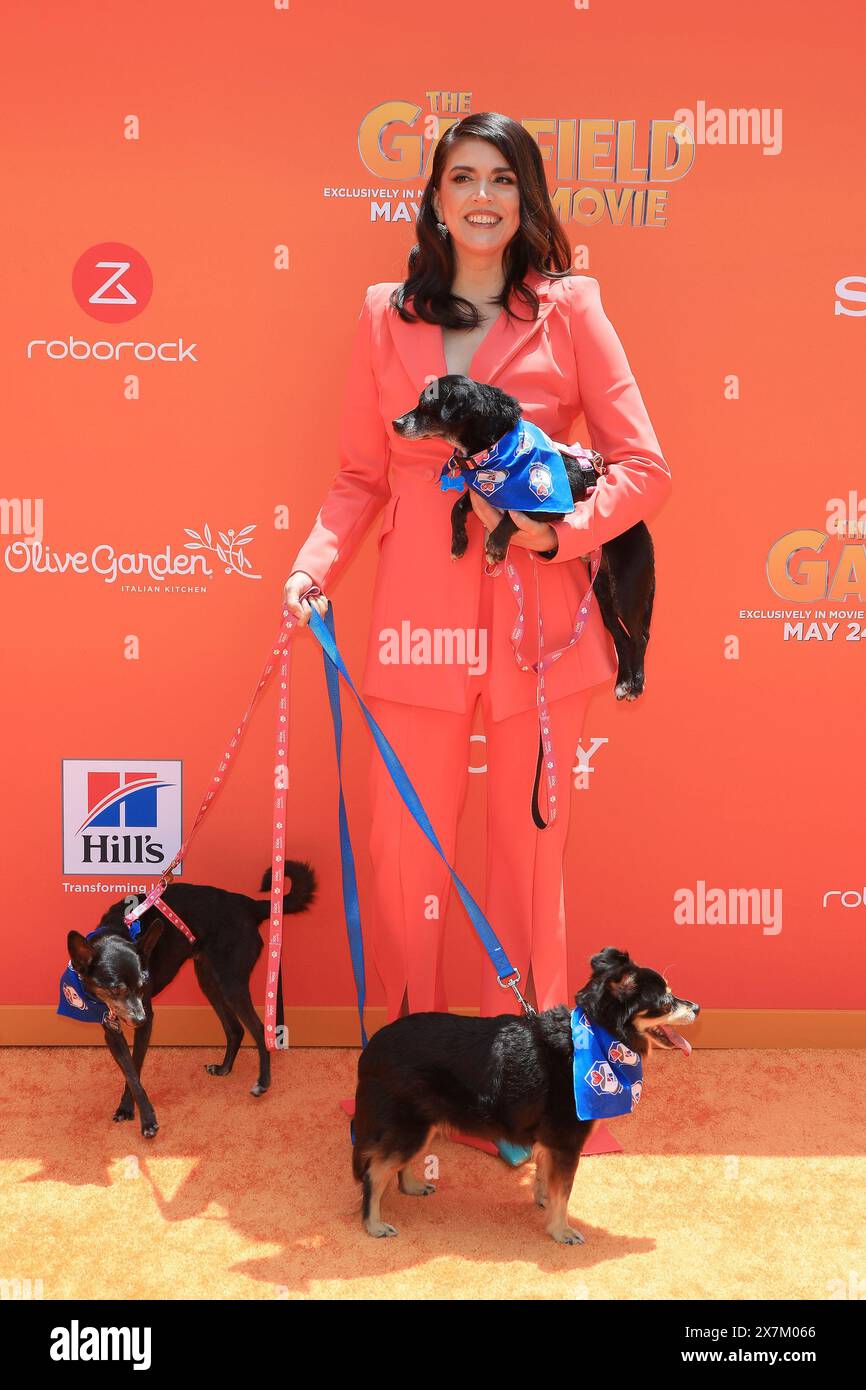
[[126, 975], [472, 416], [506, 1077]]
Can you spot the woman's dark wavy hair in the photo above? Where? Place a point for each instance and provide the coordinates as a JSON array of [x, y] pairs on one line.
[[538, 244]]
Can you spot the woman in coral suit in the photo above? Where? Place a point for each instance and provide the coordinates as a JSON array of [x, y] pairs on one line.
[[494, 299]]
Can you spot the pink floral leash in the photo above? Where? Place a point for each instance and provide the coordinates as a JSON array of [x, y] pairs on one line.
[[590, 462], [281, 655]]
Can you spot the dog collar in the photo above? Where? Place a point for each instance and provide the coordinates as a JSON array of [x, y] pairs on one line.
[[608, 1075], [522, 471], [77, 1002]]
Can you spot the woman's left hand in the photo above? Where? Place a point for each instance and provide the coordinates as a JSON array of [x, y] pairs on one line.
[[531, 533]]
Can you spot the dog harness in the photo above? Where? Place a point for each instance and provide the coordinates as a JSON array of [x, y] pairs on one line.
[[524, 471], [608, 1075], [76, 1001]]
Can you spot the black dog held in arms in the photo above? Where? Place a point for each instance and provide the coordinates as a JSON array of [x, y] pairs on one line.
[[472, 417], [126, 974], [507, 1077]]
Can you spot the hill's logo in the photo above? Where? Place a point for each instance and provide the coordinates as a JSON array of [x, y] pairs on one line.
[[120, 816]]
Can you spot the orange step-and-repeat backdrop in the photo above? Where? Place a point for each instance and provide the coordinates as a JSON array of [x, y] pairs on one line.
[[195, 199]]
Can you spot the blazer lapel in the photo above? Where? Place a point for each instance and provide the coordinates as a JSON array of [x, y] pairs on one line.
[[419, 345]]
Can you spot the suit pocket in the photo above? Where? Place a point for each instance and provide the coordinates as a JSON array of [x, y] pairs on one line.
[[388, 518]]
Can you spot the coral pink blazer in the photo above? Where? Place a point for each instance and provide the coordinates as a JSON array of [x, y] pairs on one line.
[[565, 363]]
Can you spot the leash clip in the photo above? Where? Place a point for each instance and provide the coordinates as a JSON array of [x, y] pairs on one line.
[[511, 982], [134, 913]]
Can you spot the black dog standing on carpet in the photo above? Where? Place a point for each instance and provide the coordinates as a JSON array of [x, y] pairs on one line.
[[126, 974], [472, 417], [507, 1077]]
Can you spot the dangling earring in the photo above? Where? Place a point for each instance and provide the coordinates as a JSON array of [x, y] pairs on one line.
[[443, 230]]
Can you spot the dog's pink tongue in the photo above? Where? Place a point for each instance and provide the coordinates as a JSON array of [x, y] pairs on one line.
[[677, 1039]]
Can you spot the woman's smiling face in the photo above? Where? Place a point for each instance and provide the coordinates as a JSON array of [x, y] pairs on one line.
[[477, 184]]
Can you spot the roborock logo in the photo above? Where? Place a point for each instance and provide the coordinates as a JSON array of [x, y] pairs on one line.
[[848, 897], [113, 283]]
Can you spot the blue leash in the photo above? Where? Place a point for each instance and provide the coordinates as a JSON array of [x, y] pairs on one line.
[[508, 976]]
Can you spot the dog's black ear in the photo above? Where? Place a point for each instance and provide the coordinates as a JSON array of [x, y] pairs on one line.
[[461, 397], [618, 969], [609, 959], [147, 942], [623, 986], [80, 951]]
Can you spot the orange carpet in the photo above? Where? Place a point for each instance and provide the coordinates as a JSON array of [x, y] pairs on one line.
[[743, 1177]]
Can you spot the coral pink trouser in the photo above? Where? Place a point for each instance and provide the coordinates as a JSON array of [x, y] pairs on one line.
[[523, 901]]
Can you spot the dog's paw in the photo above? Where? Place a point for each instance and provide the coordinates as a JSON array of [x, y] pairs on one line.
[[566, 1235], [411, 1186], [216, 1069], [123, 1112], [630, 687], [380, 1228], [259, 1089], [149, 1130]]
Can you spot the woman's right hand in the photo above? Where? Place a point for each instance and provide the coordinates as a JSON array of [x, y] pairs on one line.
[[296, 584]]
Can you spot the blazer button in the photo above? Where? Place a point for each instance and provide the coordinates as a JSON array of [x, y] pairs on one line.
[[428, 475]]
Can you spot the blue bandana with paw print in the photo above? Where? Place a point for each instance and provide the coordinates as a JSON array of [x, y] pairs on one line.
[[608, 1075], [523, 471]]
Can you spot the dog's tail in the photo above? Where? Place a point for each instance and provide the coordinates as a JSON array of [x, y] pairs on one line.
[[299, 896]]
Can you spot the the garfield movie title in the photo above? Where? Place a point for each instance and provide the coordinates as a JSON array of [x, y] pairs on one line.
[[396, 140], [810, 565]]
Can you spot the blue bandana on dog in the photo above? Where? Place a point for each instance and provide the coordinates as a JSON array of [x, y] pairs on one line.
[[523, 471], [76, 1001], [608, 1075]]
